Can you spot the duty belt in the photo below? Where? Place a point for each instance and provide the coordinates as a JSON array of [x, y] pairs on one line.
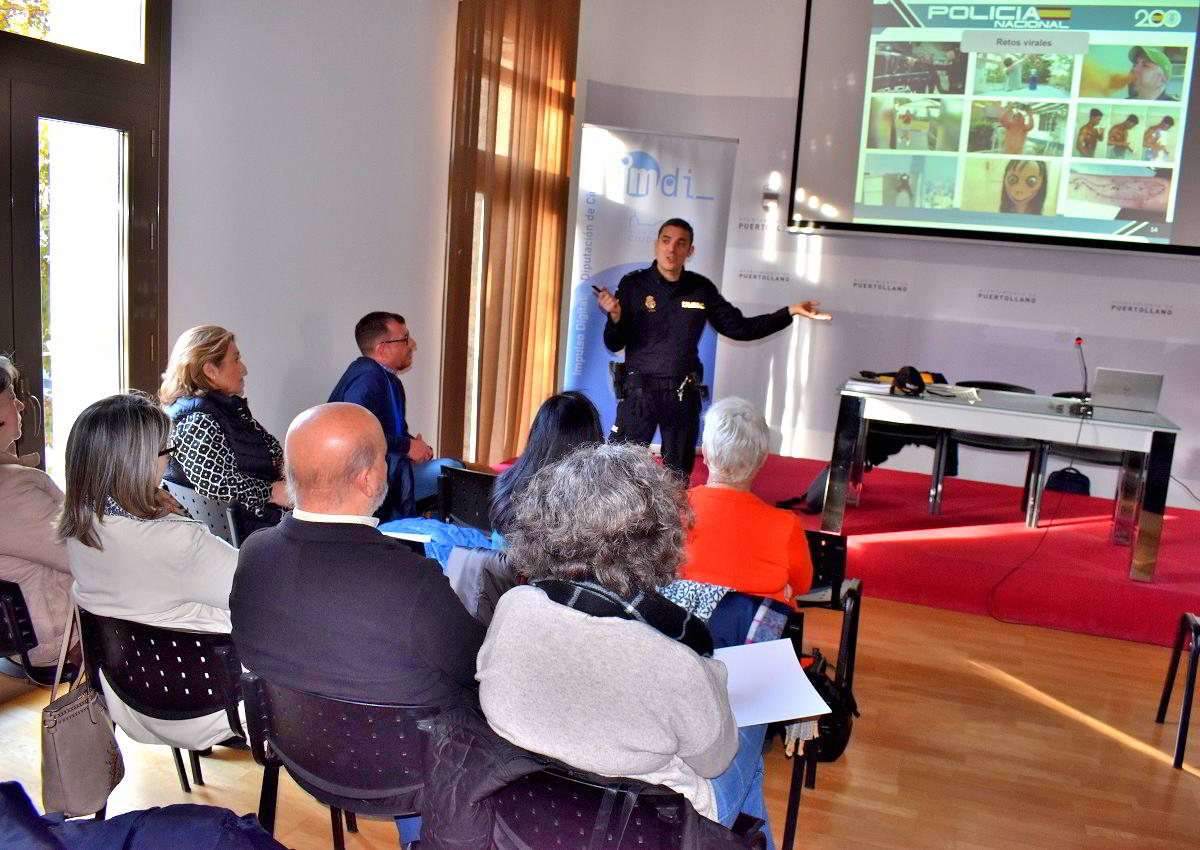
[[654, 383]]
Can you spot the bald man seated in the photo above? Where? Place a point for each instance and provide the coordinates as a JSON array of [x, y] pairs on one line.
[[326, 603]]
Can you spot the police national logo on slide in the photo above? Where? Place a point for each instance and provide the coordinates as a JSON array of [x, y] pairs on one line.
[[645, 177]]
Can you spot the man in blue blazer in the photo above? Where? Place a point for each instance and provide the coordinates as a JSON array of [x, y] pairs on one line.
[[372, 381]]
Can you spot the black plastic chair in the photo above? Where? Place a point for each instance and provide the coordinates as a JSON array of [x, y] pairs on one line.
[[165, 674], [17, 637], [465, 497], [553, 809], [830, 590], [1189, 626], [220, 517], [355, 757], [1036, 449]]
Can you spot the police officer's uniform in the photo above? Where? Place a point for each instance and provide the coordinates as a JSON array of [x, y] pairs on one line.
[[660, 328]]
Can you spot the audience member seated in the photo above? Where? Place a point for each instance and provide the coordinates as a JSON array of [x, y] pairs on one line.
[[30, 552], [739, 541], [326, 603], [373, 381], [589, 664], [563, 423], [222, 452], [132, 557]]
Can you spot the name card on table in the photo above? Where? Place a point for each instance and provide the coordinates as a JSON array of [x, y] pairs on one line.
[[766, 684]]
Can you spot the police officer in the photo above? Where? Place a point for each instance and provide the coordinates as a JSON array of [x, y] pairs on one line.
[[657, 315]]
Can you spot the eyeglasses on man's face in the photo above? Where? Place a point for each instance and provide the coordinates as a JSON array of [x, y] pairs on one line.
[[404, 339]]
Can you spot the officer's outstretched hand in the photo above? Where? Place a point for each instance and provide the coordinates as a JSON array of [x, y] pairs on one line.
[[809, 310], [608, 303]]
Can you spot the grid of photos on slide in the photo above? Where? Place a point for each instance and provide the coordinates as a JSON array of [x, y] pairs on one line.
[[1091, 136]]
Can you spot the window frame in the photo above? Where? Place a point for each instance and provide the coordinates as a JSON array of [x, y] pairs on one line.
[[71, 84]]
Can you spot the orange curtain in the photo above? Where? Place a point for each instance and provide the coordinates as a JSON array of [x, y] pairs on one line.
[[509, 181]]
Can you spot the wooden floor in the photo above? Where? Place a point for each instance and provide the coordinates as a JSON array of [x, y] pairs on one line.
[[974, 735]]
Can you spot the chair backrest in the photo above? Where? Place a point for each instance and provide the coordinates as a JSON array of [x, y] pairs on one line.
[[350, 749], [828, 554], [163, 673], [552, 809], [465, 496], [220, 517], [1000, 386], [17, 636]]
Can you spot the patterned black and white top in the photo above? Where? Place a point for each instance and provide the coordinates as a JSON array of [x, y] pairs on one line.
[[209, 462]]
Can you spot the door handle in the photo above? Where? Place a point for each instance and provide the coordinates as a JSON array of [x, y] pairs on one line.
[[35, 405]]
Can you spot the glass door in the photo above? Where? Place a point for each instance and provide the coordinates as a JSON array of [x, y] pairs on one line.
[[84, 222]]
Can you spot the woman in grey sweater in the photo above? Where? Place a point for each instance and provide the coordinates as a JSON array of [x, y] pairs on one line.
[[588, 663]]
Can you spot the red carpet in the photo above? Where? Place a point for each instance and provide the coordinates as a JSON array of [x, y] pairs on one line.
[[978, 556]]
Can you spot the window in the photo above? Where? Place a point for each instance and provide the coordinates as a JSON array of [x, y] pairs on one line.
[[114, 28]]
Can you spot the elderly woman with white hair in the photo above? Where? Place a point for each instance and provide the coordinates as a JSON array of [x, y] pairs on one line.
[[588, 663], [739, 541]]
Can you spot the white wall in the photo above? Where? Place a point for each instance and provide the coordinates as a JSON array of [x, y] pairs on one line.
[[309, 146], [709, 67]]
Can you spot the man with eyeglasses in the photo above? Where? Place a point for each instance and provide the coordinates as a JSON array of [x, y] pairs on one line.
[[373, 381]]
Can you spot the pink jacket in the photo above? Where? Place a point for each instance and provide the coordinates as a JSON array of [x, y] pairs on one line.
[[31, 554]]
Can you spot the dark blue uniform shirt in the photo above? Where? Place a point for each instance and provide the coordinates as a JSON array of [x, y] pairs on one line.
[[662, 320]]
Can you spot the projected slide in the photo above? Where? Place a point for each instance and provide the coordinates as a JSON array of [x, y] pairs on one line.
[[1064, 120]]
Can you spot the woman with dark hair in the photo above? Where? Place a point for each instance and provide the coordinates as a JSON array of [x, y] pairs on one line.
[[1024, 187], [588, 663], [132, 557], [222, 451], [30, 551], [563, 423]]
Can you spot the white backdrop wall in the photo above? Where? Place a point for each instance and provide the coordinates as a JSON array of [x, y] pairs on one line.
[[971, 310], [309, 147]]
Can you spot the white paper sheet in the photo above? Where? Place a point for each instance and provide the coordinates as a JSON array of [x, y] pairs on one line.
[[408, 535], [766, 683]]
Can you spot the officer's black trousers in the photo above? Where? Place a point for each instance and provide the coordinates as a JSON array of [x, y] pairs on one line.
[[641, 411]]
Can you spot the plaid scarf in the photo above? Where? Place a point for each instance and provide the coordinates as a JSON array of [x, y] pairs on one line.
[[653, 609]]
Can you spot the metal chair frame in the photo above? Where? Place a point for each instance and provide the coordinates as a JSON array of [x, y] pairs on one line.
[[220, 517], [17, 637], [1189, 625], [273, 749], [210, 658], [622, 812], [832, 591], [464, 497]]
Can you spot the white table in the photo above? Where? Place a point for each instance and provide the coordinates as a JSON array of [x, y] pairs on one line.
[[1146, 440]]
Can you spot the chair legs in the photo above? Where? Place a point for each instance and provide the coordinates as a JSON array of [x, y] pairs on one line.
[[267, 798], [793, 803], [810, 764], [197, 774], [940, 454], [1189, 624], [351, 822], [183, 780], [335, 821]]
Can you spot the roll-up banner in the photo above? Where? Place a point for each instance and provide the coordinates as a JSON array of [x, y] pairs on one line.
[[630, 182]]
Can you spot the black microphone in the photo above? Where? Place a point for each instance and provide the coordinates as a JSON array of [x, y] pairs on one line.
[[1082, 365]]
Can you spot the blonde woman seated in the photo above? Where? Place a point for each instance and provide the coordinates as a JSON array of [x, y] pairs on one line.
[[739, 541], [222, 451], [132, 557], [30, 552]]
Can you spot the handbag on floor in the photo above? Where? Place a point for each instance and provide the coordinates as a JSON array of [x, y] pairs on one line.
[[81, 763]]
